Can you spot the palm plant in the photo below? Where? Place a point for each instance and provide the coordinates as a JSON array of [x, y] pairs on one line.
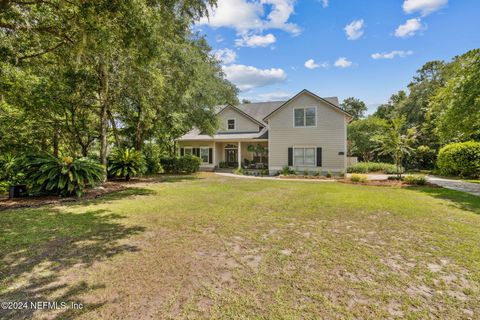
[[8, 166], [65, 176], [396, 142], [126, 163]]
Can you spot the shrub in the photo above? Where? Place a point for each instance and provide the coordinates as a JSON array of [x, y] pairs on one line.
[[418, 180], [152, 154], [11, 170], [366, 167], [341, 174], [287, 171], [329, 174], [65, 176], [358, 178], [305, 173], [184, 164], [223, 164], [126, 163], [265, 172], [423, 157], [239, 171], [189, 164], [460, 159]]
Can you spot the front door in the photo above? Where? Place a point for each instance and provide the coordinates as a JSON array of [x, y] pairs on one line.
[[231, 155]]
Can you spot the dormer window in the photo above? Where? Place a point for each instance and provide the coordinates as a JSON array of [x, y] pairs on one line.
[[231, 124]]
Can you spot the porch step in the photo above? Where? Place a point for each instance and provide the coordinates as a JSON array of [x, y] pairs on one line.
[[224, 170]]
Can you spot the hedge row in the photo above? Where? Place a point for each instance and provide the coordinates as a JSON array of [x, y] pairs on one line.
[[183, 164], [367, 167]]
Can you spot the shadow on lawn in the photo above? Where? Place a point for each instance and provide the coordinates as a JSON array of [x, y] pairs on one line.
[[458, 199], [117, 195], [41, 243]]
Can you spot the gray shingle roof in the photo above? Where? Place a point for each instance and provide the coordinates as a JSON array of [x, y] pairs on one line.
[[259, 110]]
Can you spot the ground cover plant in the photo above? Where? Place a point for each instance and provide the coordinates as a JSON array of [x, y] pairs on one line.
[[208, 246]]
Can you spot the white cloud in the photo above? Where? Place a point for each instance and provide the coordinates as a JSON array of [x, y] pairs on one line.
[[279, 15], [238, 14], [219, 38], [270, 96], [248, 77], [354, 29], [409, 28], [247, 16], [425, 7], [226, 55], [255, 40], [343, 62], [324, 3], [311, 64], [392, 54]]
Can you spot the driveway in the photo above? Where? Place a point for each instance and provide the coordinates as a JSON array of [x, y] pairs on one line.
[[459, 185]]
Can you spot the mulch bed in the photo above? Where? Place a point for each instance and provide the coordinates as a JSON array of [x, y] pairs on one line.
[[31, 202], [305, 177]]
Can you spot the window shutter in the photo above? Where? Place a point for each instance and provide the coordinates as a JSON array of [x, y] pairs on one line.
[[210, 155], [319, 157], [182, 152], [290, 156]]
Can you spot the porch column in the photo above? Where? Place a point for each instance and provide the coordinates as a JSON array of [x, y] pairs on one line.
[[239, 155], [214, 154]]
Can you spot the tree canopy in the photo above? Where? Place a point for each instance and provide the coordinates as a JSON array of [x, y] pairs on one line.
[[442, 104], [78, 77]]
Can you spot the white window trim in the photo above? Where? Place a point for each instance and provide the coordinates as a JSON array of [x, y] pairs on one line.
[[305, 117], [208, 154], [185, 148], [234, 124], [314, 155]]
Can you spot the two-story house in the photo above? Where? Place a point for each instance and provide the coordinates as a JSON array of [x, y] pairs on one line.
[[306, 132]]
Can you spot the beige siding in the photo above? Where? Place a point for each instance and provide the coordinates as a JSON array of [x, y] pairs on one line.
[[242, 123], [329, 134]]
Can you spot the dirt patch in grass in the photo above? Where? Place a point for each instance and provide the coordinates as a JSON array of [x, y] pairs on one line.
[[107, 188], [222, 248], [32, 202]]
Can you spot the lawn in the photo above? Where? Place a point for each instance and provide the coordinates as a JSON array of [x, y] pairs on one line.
[[208, 246]]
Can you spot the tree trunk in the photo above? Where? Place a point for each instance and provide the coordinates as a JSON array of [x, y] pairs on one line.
[[56, 134], [139, 131], [104, 90], [114, 129]]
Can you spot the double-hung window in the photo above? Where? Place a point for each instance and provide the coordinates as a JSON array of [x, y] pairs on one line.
[[188, 150], [305, 117], [204, 154], [231, 124], [304, 156]]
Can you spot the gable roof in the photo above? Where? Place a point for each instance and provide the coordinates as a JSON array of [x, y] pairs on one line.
[[243, 113], [259, 111], [329, 101]]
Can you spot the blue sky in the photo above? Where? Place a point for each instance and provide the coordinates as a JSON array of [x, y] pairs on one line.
[[271, 49]]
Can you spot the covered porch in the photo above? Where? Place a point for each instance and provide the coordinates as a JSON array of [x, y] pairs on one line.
[[242, 154], [247, 154]]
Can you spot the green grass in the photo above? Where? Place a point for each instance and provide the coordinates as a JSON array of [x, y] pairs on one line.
[[222, 248], [471, 180]]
